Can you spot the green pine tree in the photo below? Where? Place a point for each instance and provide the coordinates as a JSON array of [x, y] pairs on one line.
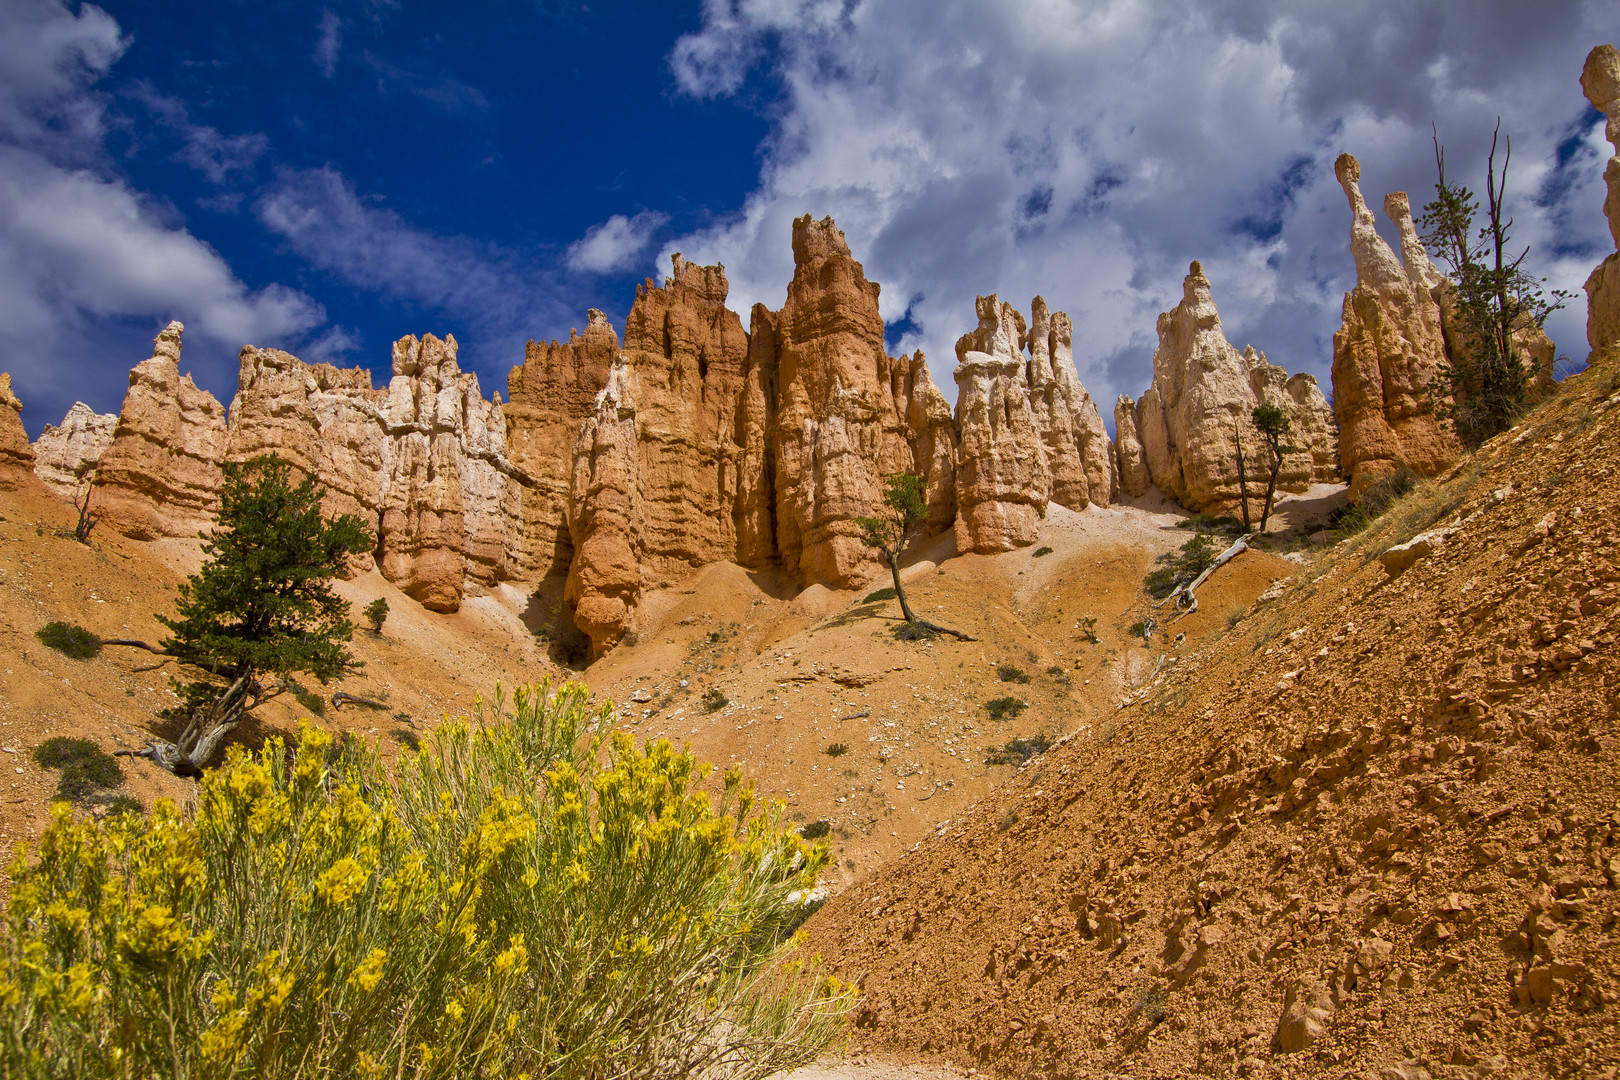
[[261, 609]]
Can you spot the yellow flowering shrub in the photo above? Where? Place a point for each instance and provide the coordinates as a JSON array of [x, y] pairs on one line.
[[530, 893]]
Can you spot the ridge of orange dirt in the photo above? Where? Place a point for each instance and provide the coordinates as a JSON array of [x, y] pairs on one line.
[[1374, 830]]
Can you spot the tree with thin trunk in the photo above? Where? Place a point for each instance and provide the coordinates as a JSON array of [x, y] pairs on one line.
[[1272, 425], [260, 610], [905, 509], [1243, 478], [1496, 301]]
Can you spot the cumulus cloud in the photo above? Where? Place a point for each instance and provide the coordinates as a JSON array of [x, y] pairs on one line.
[[1089, 151], [84, 251], [615, 244]]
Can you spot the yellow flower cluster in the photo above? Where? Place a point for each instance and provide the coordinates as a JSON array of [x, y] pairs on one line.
[[519, 886]]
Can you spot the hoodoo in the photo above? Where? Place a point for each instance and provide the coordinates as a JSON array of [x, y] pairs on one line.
[[1389, 352], [1600, 81], [1203, 394]]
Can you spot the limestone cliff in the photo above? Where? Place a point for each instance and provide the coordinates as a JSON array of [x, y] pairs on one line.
[[1201, 401], [66, 454], [16, 456], [1003, 480], [1600, 81], [1388, 353], [840, 427], [551, 393], [160, 476]]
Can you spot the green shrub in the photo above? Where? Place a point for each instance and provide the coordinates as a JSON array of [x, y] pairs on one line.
[[837, 749], [1088, 630], [1018, 751], [530, 893], [815, 830], [376, 612], [881, 594], [1057, 671], [86, 768], [1180, 567], [69, 640], [1042, 551], [1011, 673], [714, 700], [1005, 708]]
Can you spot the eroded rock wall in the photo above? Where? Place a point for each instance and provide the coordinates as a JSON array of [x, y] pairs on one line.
[[551, 393], [161, 474], [1132, 459], [686, 406], [840, 424], [1600, 81], [1389, 352], [1201, 403], [66, 454], [16, 456], [1003, 479]]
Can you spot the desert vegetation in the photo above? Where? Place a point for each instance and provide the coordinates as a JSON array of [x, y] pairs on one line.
[[528, 893]]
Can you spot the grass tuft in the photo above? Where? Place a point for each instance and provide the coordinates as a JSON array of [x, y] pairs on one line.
[[1011, 673], [880, 594], [1018, 751], [1005, 708]]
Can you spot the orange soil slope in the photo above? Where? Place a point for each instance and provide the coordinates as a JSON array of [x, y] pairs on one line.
[[422, 666], [823, 671], [1373, 831]]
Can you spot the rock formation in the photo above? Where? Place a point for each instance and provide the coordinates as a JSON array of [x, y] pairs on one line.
[[1600, 81], [442, 520], [1201, 401], [1387, 356], [1078, 450], [1133, 470], [840, 424], [65, 455], [605, 514], [1003, 480], [1310, 420], [160, 476], [551, 393], [622, 468], [16, 456], [675, 422]]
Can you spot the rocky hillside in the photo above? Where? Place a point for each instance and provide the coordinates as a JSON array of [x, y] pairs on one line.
[[1370, 831]]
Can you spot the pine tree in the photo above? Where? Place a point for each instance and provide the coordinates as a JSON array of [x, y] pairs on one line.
[[261, 609]]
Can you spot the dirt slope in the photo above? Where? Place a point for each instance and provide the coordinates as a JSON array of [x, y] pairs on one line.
[[799, 674], [1372, 831], [824, 672], [422, 666]]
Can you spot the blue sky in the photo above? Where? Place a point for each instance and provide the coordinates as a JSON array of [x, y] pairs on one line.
[[328, 177]]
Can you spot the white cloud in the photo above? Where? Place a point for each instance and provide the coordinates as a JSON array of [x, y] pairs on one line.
[[325, 222], [84, 251], [329, 44], [1089, 151], [615, 244]]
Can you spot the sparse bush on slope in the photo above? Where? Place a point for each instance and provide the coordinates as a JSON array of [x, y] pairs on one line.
[[530, 894]]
